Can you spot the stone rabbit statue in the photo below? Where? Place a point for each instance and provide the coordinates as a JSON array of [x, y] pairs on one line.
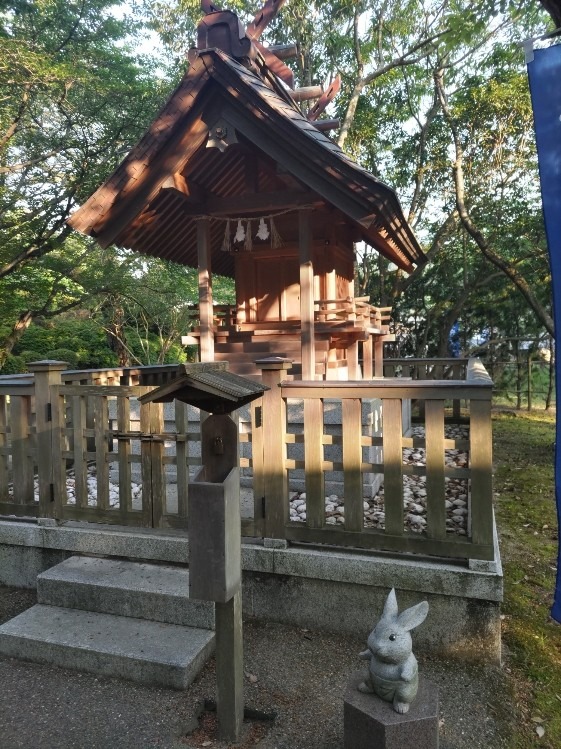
[[393, 672]]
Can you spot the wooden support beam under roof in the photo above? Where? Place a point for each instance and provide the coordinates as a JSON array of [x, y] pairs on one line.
[[259, 202], [215, 205], [189, 190], [325, 125]]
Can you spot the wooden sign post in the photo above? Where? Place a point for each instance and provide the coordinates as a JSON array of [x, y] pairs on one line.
[[215, 561], [214, 521]]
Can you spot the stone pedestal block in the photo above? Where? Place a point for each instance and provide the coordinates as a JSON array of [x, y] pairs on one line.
[[371, 723]]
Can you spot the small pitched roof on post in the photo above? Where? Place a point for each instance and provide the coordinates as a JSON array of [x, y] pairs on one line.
[[211, 388], [149, 205]]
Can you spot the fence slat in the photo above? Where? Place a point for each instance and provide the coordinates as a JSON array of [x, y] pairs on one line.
[[158, 471], [275, 477], [481, 461], [368, 358], [257, 463], [393, 465], [456, 403], [101, 419], [313, 457], [22, 465], [58, 447], [146, 465], [80, 450], [124, 451], [436, 487], [4, 472], [352, 461], [181, 455]]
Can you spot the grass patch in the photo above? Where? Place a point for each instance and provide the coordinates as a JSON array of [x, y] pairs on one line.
[[527, 520]]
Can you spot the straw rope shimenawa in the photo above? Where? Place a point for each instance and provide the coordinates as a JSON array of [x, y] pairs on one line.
[[275, 239]]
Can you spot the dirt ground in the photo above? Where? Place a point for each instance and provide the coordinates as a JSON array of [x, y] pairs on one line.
[[298, 676]]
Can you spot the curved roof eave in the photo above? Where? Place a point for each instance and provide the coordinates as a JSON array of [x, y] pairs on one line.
[[274, 123]]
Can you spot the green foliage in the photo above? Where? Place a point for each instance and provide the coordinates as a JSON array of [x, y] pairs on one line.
[[154, 307], [82, 343], [526, 516], [13, 365], [75, 98], [409, 144], [77, 95]]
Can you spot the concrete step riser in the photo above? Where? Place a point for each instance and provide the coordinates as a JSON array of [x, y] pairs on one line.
[[141, 651], [119, 602], [143, 591]]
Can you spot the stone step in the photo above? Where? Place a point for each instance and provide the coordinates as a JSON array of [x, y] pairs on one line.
[[136, 649], [143, 591]]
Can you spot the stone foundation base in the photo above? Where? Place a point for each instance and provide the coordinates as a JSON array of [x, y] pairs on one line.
[[371, 723]]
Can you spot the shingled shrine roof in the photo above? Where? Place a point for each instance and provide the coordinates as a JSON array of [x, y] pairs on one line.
[[152, 200]]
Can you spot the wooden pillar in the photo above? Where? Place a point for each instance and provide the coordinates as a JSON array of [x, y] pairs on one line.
[[49, 422], [229, 667], [206, 320], [331, 289], [352, 361], [306, 296], [367, 358], [379, 357]]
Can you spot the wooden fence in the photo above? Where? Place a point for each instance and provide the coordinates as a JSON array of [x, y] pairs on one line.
[[73, 450], [60, 435], [272, 438], [427, 369]]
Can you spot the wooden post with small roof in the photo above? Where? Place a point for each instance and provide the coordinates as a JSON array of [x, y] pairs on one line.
[[214, 520]]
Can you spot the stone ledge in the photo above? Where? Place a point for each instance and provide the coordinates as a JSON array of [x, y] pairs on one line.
[[411, 574], [334, 590]]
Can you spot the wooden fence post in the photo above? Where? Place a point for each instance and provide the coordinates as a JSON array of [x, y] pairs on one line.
[[275, 479], [481, 460], [481, 457], [49, 459], [456, 403], [392, 446]]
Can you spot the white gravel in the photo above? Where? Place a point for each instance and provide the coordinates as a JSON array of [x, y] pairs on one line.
[[414, 493]]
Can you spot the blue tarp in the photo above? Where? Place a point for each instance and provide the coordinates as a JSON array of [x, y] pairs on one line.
[[544, 72]]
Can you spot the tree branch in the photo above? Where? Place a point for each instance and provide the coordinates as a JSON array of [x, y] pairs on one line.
[[470, 226]]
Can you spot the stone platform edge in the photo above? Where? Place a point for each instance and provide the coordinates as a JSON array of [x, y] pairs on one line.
[[335, 590], [482, 581]]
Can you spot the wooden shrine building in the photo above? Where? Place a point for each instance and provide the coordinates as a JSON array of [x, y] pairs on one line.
[[233, 178]]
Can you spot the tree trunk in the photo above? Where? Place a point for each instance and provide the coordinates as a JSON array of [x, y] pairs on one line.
[[473, 230], [20, 326], [116, 332]]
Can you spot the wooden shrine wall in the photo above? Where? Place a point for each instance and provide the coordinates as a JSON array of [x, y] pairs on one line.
[[267, 281]]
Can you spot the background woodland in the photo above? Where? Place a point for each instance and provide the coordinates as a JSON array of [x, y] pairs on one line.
[[434, 101]]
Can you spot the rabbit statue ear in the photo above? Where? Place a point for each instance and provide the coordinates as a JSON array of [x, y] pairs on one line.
[[411, 618], [390, 607]]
